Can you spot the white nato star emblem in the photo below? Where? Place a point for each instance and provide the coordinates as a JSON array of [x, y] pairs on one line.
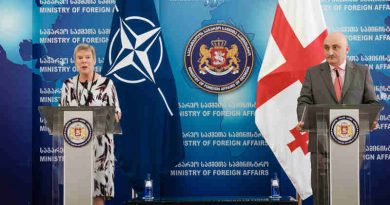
[[135, 47], [138, 49]]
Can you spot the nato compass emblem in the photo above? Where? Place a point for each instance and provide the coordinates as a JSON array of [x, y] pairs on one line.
[[219, 58], [344, 130], [140, 53]]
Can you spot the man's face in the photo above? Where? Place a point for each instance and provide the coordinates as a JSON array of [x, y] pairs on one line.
[[335, 49], [85, 61]]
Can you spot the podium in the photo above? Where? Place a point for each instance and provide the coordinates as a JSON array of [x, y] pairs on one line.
[[338, 136], [78, 126]]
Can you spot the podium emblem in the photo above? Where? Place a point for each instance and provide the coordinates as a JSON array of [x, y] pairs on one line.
[[77, 132], [344, 130]]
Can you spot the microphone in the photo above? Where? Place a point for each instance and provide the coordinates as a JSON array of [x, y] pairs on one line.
[[338, 80], [337, 72]]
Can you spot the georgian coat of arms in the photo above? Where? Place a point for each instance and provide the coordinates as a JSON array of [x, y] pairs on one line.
[[219, 59]]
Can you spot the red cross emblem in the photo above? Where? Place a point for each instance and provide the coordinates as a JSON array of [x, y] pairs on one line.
[[301, 140]]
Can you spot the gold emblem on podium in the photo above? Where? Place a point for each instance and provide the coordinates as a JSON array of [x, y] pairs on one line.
[[77, 132]]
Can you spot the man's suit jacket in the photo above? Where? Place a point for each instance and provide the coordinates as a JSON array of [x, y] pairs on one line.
[[318, 88]]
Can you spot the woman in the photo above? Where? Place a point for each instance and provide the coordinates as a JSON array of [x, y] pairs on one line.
[[91, 89]]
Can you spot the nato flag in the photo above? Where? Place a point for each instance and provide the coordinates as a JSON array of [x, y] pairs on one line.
[[137, 62]]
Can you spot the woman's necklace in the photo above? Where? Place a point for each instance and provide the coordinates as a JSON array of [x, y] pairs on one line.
[[81, 93]]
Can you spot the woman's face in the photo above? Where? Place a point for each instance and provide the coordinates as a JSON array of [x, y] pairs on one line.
[[85, 62]]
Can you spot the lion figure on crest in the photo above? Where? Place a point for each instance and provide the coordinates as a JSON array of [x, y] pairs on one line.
[[234, 60], [204, 56]]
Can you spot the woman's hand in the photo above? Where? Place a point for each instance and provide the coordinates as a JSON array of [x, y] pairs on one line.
[[118, 116]]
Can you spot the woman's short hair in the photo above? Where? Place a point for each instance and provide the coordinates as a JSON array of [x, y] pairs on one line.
[[85, 47]]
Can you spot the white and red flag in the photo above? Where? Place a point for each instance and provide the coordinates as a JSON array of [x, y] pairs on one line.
[[294, 45]]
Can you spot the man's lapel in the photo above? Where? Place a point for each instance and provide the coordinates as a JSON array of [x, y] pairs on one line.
[[349, 75]]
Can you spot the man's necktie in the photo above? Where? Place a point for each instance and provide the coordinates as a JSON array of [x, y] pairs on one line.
[[338, 84]]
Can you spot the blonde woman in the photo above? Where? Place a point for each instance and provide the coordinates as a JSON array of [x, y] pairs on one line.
[[88, 88]]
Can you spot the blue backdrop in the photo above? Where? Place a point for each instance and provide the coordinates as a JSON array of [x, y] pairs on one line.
[[35, 57]]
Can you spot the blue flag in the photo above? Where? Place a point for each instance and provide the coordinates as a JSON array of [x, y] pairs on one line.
[[137, 62]]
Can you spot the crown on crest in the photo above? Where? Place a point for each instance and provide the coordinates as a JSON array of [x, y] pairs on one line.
[[218, 43]]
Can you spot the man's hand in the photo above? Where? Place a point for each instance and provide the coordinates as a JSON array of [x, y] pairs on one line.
[[374, 125], [300, 126]]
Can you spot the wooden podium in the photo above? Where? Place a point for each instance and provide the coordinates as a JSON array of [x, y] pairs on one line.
[[341, 133], [78, 126]]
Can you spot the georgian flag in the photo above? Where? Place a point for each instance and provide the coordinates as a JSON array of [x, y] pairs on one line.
[[294, 45]]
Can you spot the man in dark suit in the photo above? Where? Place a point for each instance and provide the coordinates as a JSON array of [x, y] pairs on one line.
[[336, 81]]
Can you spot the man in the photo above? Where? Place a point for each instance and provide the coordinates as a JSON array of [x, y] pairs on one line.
[[336, 81]]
